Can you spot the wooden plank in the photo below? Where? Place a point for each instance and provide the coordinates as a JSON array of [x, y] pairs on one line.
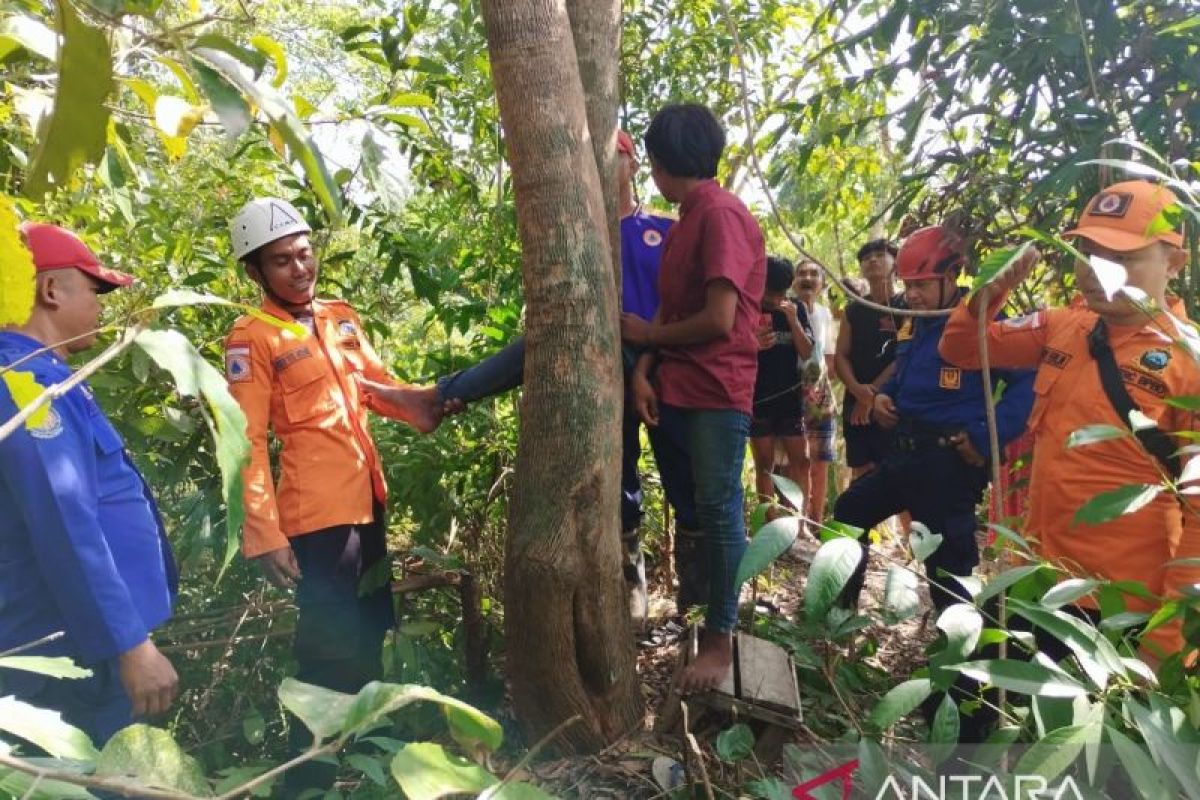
[[767, 675]]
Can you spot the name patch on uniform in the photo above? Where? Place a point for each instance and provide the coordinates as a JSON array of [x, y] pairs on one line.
[[950, 378], [291, 357], [237, 363], [651, 238], [1028, 322], [1111, 204], [1143, 381], [1055, 358]]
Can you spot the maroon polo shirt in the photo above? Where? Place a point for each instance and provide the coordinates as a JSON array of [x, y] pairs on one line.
[[715, 238]]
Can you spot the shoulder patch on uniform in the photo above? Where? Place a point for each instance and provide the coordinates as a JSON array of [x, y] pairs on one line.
[[50, 426], [237, 363], [651, 237], [1156, 359], [291, 357], [1028, 322], [950, 378], [1055, 358]]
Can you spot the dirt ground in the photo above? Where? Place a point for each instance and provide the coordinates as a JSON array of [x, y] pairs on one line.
[[625, 769]]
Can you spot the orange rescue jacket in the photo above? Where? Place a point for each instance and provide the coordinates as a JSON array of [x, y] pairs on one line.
[[1068, 396], [302, 388]]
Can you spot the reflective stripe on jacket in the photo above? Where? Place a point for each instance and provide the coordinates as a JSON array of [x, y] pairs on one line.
[[302, 388]]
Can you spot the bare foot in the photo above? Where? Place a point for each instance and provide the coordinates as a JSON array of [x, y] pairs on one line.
[[419, 406], [713, 661]]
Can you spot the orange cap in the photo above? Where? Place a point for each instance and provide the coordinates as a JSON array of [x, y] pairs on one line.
[[1129, 216]]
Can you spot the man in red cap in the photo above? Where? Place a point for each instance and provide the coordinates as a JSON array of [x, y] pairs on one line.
[[85, 567]]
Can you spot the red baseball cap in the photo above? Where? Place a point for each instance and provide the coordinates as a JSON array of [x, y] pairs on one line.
[[1129, 216], [57, 248], [625, 144]]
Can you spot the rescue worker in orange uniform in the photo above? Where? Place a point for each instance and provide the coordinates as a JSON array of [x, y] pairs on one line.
[[322, 529], [1119, 231]]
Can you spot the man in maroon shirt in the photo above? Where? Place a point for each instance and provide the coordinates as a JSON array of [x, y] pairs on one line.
[[703, 337]]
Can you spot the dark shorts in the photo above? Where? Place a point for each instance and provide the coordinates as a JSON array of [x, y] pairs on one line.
[[777, 425], [865, 444]]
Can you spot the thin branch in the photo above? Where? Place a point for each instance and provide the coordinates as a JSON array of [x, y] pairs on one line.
[[30, 645], [82, 374], [270, 775], [118, 785], [775, 211], [533, 751]]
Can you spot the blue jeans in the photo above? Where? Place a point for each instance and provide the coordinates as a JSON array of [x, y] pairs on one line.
[[717, 444]]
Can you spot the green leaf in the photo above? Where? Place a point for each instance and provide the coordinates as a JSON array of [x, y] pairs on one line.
[[1052, 754], [1096, 655], [1022, 676], [469, 726], [370, 767], [55, 667], [274, 51], [1146, 777], [173, 298], [923, 542], [1124, 620], [832, 566], [254, 728], [962, 624], [323, 711], [1054, 241], [1069, 591], [515, 791], [901, 600], [1110, 505], [410, 100], [425, 771], [226, 100], [1163, 742], [771, 541], [45, 729], [1181, 26], [1188, 402], [790, 491], [995, 263], [1010, 535], [1091, 434], [899, 702], [152, 758], [76, 131], [943, 734], [285, 122], [32, 34], [735, 743], [197, 378], [407, 120]]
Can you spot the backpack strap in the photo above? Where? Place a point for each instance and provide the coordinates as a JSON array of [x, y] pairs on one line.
[[1153, 438]]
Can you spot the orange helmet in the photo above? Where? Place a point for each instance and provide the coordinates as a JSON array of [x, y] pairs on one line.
[[927, 253]]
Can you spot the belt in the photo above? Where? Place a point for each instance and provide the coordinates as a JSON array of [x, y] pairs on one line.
[[913, 435]]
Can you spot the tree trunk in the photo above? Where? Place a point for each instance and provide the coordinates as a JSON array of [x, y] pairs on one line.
[[569, 644], [596, 28]]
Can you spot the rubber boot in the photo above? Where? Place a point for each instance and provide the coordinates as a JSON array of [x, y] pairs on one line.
[[635, 579]]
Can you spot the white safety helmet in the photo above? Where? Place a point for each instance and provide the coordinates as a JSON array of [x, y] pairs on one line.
[[263, 221]]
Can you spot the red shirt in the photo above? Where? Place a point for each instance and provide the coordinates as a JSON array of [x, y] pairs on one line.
[[715, 238]]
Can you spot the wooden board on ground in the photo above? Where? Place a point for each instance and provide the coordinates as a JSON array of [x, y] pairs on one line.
[[761, 686]]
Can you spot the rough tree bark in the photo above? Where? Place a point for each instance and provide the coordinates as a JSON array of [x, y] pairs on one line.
[[569, 645], [596, 28]]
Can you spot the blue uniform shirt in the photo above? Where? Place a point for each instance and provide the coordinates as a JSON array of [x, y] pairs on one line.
[[82, 548], [929, 390], [642, 237]]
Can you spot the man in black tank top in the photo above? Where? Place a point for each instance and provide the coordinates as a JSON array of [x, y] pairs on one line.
[[865, 352]]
